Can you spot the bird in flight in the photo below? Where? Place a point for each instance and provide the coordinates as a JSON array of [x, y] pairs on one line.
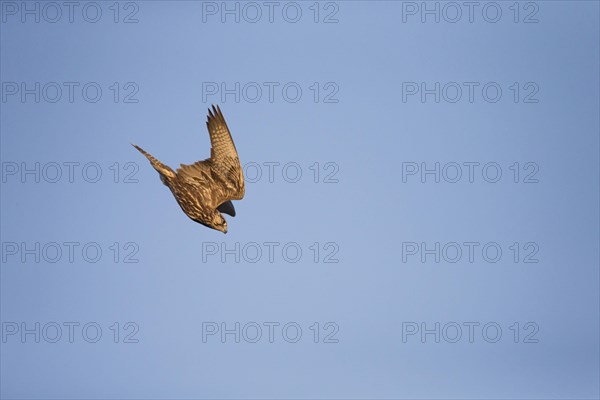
[[205, 189]]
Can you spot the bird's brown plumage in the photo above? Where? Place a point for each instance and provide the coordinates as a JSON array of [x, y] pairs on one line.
[[204, 187]]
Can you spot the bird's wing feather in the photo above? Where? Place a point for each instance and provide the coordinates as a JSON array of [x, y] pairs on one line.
[[199, 171], [225, 162], [222, 144]]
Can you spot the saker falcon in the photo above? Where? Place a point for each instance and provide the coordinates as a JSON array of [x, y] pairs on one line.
[[205, 189]]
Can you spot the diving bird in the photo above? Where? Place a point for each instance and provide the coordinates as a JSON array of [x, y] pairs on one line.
[[205, 189]]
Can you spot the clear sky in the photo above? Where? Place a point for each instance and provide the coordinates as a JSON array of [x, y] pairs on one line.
[[421, 211]]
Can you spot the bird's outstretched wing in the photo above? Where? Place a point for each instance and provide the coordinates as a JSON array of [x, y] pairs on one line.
[[223, 149], [223, 167], [224, 157]]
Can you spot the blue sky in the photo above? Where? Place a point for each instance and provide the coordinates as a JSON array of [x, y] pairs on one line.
[[421, 210]]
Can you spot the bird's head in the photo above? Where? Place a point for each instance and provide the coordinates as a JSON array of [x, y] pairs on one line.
[[219, 223]]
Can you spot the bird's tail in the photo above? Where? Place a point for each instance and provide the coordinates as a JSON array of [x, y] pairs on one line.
[[164, 171]]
